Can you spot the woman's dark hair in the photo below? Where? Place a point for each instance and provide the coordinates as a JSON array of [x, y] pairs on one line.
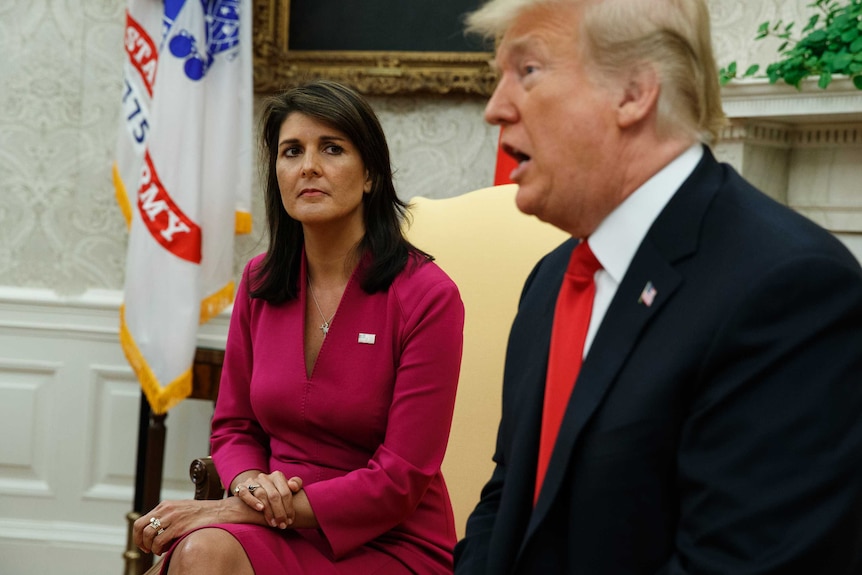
[[277, 277]]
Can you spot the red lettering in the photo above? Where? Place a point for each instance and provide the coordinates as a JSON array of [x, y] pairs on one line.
[[166, 221], [142, 51]]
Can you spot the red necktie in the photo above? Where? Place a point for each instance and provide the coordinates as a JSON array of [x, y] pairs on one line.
[[571, 320]]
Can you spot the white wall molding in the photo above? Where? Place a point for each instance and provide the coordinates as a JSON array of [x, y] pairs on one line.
[[63, 532], [758, 99], [828, 135], [93, 315], [69, 405], [763, 133]]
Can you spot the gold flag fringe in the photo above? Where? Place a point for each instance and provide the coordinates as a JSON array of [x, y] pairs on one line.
[[161, 398]]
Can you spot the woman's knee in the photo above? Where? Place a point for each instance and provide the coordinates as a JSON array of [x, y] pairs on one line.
[[211, 551]]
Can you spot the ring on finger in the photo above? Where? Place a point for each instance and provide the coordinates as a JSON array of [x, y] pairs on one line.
[[251, 488], [160, 531], [155, 523]]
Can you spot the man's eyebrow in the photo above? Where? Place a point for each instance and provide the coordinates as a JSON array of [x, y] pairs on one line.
[[517, 47]]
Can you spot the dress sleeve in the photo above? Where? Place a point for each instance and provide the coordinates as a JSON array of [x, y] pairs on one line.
[[368, 502], [237, 441]]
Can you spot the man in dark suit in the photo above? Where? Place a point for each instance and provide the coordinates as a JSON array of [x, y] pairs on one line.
[[715, 425]]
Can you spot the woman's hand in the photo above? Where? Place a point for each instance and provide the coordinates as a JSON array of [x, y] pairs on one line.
[[271, 493], [155, 531]]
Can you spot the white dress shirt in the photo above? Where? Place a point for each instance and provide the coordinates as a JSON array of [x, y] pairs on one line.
[[619, 236]]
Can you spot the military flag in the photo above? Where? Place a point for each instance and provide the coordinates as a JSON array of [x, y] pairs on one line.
[[182, 179]]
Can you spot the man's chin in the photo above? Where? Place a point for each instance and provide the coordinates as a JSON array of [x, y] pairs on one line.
[[525, 200]]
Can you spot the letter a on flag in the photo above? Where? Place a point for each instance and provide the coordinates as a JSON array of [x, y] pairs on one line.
[[182, 177]]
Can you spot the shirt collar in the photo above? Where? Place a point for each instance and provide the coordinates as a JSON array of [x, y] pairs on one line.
[[620, 234]]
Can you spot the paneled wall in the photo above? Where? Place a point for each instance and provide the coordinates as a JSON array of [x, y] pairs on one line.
[[68, 433], [68, 400]]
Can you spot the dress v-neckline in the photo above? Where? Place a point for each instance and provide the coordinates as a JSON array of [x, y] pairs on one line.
[[311, 326]]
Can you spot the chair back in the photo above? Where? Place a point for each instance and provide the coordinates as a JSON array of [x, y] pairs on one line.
[[488, 248]]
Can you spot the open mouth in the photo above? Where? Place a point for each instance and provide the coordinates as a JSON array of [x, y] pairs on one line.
[[522, 160], [516, 154]]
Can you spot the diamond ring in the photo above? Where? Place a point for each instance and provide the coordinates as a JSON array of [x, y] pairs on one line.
[[155, 523]]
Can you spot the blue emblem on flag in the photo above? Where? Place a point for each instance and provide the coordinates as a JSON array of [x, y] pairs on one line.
[[221, 23]]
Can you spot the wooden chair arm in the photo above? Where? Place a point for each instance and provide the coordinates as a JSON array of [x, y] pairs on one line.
[[205, 477]]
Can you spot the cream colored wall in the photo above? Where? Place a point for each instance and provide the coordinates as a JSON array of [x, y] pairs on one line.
[[68, 401]]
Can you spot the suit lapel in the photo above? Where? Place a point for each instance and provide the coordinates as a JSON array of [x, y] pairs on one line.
[[672, 236]]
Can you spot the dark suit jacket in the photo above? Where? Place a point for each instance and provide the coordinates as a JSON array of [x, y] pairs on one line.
[[718, 430]]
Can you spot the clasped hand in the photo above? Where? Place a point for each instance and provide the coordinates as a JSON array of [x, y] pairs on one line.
[[270, 502], [271, 493]]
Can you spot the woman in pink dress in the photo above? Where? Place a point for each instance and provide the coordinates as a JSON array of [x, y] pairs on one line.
[[339, 374]]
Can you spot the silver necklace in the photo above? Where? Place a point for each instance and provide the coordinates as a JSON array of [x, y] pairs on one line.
[[324, 327]]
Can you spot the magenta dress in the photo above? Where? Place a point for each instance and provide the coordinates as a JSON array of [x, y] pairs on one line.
[[366, 432]]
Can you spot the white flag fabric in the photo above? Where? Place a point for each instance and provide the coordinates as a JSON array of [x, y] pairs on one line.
[[183, 179]]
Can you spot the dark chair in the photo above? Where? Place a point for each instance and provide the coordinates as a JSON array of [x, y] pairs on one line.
[[205, 477]]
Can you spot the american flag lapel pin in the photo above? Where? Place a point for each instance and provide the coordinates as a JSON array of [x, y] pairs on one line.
[[648, 294]]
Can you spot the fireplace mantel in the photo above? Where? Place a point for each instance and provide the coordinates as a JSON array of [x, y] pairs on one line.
[[757, 99], [802, 147]]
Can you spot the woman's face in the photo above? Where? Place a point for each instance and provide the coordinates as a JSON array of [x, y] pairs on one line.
[[320, 173]]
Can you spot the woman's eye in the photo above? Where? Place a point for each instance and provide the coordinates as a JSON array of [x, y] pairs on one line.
[[334, 149], [291, 152]]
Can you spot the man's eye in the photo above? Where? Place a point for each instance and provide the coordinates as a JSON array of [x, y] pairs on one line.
[[528, 69]]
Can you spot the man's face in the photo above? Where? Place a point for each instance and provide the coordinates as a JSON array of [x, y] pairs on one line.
[[556, 121]]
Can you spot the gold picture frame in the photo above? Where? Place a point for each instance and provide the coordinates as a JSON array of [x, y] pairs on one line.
[[276, 67]]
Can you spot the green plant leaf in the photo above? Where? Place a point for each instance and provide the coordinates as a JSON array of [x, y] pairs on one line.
[[816, 37], [849, 35], [841, 61], [812, 22], [772, 72], [795, 76], [751, 70], [829, 44]]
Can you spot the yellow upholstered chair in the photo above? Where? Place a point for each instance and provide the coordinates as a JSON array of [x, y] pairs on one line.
[[488, 248]]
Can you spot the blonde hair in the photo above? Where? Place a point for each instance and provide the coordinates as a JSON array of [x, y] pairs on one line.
[[673, 36]]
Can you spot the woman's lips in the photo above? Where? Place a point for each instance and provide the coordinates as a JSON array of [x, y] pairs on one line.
[[311, 192]]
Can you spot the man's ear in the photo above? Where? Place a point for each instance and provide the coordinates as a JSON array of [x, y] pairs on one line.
[[639, 96]]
